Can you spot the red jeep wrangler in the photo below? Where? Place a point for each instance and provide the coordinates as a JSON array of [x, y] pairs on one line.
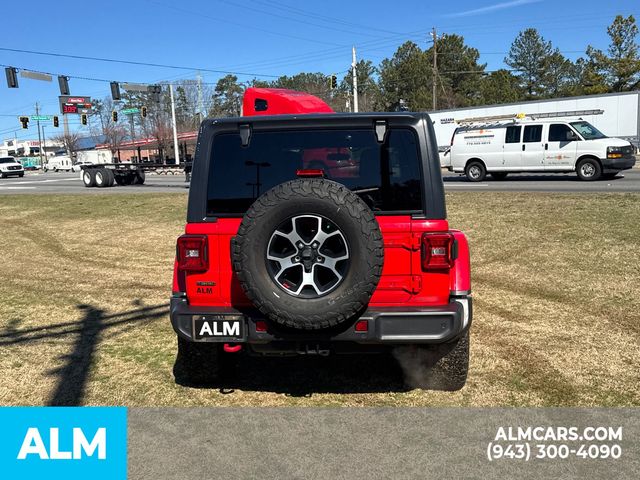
[[282, 259]]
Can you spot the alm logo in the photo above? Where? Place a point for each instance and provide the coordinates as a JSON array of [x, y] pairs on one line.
[[33, 444]]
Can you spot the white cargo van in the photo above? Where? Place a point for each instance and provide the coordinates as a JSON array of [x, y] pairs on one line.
[[530, 145], [59, 163]]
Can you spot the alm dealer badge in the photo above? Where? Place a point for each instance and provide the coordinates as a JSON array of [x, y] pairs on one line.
[[218, 327]]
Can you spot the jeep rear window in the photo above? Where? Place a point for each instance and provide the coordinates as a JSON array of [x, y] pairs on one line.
[[386, 176]]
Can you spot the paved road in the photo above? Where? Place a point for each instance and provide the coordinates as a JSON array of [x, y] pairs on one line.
[[55, 183], [627, 181]]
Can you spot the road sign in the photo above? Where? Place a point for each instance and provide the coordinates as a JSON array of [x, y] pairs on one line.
[[130, 111], [35, 75], [134, 87], [40, 117], [74, 104]]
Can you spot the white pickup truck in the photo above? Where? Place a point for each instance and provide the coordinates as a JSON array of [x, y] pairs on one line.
[[9, 166]]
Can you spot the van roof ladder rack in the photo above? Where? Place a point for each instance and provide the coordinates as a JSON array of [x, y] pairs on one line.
[[533, 116]]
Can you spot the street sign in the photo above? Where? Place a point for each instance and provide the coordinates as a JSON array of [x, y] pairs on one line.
[[130, 111], [40, 117], [74, 104], [35, 75], [134, 87]]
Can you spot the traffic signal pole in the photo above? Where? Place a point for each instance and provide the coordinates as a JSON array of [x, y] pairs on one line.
[[175, 130], [39, 137]]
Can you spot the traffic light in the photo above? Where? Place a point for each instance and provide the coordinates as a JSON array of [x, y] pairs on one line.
[[25, 122], [12, 77], [114, 116], [63, 83], [143, 112], [83, 119], [333, 82], [56, 123], [155, 91], [115, 90]]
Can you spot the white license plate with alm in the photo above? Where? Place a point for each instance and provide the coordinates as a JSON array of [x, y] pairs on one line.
[[216, 327]]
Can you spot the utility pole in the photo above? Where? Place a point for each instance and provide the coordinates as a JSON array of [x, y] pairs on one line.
[[355, 79], [132, 129], [44, 144], [39, 137], [65, 123], [175, 130], [435, 69], [200, 109]]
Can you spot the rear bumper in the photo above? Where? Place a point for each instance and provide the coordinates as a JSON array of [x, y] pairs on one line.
[[388, 325], [623, 163]]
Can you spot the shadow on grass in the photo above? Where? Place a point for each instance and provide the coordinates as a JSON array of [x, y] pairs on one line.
[[303, 376], [74, 372]]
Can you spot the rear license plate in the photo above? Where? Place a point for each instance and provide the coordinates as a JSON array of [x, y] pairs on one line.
[[218, 328]]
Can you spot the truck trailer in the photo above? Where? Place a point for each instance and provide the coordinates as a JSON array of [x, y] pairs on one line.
[[620, 117]]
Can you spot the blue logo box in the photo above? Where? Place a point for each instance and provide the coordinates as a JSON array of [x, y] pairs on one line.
[[63, 443]]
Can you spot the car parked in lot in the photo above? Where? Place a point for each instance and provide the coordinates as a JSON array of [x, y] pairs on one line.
[[10, 167], [530, 145], [279, 258]]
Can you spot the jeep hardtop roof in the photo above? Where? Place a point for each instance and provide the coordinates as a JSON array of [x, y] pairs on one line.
[[380, 123]]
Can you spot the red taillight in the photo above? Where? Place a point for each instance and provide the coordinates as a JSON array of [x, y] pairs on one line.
[[437, 251], [362, 326], [261, 326], [310, 172], [191, 253]]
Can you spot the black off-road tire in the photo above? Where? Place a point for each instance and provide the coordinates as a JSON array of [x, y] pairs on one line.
[[436, 367], [350, 215], [198, 363]]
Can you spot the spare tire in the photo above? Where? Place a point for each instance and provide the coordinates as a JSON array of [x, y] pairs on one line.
[[308, 254]]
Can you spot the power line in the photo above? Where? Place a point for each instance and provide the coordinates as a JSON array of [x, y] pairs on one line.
[[202, 15], [315, 15], [305, 22], [129, 62]]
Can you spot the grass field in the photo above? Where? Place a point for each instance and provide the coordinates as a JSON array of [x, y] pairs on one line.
[[85, 282]]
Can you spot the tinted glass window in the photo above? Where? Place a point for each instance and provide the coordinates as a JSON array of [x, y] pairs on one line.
[[260, 105], [532, 133], [513, 134], [386, 176], [559, 132], [7, 160]]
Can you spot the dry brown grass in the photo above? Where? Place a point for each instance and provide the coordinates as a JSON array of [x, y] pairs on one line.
[[85, 281]]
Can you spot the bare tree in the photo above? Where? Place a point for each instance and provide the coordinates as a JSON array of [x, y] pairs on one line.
[[112, 132], [70, 142], [188, 96], [157, 125]]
